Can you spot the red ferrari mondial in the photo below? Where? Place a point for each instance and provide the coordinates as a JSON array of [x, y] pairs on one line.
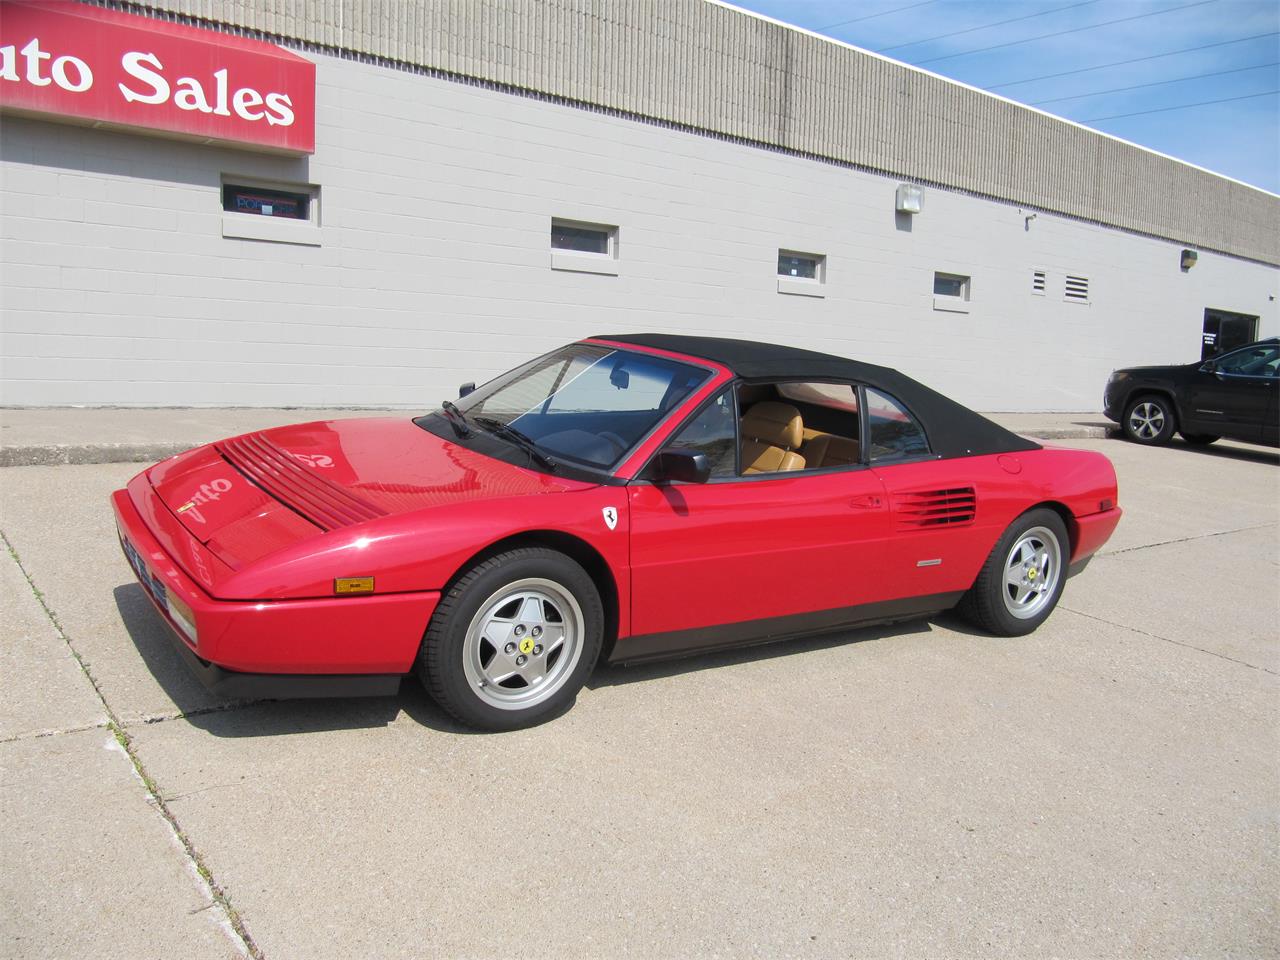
[[622, 498]]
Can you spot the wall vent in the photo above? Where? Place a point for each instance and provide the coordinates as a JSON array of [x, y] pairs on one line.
[[1038, 282], [922, 509], [1077, 289]]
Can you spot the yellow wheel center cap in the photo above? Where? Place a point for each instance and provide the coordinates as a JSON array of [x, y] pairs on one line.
[[1031, 574], [526, 645]]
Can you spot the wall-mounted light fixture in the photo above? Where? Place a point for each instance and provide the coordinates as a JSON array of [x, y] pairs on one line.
[[909, 199], [1189, 258]]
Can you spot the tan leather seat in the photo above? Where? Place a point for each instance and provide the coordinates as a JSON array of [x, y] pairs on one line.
[[827, 450], [771, 432]]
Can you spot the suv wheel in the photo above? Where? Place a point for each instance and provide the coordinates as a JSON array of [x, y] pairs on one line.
[[1149, 419]]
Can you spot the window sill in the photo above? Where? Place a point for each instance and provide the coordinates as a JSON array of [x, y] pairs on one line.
[[801, 287], [584, 263], [950, 304], [243, 226]]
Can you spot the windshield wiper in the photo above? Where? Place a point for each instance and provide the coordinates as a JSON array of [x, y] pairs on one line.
[[457, 419], [508, 432]]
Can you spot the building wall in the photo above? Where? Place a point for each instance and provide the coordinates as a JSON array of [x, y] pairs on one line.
[[434, 265], [715, 68]]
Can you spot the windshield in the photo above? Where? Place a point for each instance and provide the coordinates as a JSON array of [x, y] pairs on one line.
[[586, 404]]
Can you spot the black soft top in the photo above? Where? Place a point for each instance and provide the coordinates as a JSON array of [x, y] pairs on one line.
[[953, 429]]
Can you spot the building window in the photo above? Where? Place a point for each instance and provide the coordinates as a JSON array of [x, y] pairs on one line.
[[274, 212], [802, 274], [1038, 278], [584, 247], [261, 202], [951, 292], [1076, 290]]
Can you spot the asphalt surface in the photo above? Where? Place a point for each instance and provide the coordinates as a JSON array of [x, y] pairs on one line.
[[1109, 786]]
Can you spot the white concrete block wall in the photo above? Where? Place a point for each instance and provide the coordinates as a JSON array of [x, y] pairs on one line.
[[117, 286]]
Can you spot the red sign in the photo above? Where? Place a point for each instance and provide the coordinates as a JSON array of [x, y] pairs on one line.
[[79, 62]]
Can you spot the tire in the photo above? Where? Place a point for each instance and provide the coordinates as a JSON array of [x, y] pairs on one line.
[[513, 640], [1200, 439], [1149, 419], [1022, 579]]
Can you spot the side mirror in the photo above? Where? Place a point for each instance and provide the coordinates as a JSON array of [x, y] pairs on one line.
[[684, 466], [465, 389]]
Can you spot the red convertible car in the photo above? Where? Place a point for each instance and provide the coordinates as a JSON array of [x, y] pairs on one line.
[[622, 498]]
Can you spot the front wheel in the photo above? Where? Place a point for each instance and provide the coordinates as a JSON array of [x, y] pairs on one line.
[[1149, 419], [513, 640], [1022, 579]]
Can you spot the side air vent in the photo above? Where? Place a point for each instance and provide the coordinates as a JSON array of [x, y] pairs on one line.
[[321, 501], [921, 509], [1077, 290]]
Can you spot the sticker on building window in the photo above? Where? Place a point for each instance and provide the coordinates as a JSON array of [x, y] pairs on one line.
[[259, 201], [804, 266]]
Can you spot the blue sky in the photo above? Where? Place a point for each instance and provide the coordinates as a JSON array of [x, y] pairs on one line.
[[1239, 138]]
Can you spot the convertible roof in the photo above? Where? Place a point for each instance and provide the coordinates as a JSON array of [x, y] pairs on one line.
[[953, 429]]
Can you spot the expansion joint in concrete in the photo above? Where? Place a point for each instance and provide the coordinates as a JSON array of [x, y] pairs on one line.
[[212, 889]]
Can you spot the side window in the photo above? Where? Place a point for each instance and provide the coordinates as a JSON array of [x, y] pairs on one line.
[[1251, 362], [712, 432], [895, 435]]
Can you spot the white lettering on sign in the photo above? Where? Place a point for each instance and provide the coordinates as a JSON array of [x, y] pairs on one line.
[[33, 56], [191, 95], [148, 85]]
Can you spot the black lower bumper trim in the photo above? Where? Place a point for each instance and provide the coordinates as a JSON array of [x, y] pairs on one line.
[[233, 685]]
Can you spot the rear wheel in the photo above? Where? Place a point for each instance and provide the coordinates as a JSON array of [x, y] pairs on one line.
[[1022, 579], [1200, 439], [513, 640], [1149, 419]]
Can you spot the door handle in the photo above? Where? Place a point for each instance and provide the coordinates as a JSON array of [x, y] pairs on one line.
[[868, 502]]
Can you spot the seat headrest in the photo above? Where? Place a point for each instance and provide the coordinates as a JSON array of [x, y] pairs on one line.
[[777, 424]]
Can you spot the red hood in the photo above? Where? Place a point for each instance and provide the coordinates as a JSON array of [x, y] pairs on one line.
[[250, 495]]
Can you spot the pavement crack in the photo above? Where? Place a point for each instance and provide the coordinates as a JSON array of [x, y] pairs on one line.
[[1156, 636], [212, 888], [200, 711], [40, 734], [1198, 536]]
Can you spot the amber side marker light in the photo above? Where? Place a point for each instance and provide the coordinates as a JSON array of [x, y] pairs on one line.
[[344, 585], [1104, 505]]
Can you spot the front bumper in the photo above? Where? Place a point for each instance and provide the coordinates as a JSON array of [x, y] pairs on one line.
[[336, 646]]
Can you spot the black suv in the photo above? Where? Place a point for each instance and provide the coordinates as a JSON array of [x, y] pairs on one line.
[[1233, 395]]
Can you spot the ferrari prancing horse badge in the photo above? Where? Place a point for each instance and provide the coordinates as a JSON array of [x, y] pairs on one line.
[[610, 517]]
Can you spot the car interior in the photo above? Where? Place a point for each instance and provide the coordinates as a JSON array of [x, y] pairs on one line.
[[797, 426]]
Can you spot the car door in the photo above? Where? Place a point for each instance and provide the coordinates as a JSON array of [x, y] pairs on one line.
[[1230, 396], [744, 558]]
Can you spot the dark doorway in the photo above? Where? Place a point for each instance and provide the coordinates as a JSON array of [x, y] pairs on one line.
[[1224, 330]]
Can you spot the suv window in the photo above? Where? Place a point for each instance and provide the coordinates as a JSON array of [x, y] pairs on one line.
[[895, 434], [1251, 362]]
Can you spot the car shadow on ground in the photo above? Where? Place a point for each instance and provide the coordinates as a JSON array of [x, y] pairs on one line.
[[262, 718], [1223, 449], [610, 675]]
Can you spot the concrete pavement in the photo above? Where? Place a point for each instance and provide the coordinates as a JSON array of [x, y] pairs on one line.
[[53, 435], [1108, 786]]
